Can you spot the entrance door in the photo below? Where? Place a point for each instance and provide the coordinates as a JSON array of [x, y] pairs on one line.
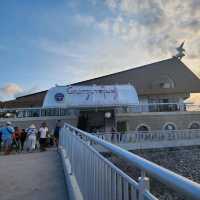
[[96, 121]]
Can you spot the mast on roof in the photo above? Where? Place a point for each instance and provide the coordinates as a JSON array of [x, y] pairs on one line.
[[181, 51]]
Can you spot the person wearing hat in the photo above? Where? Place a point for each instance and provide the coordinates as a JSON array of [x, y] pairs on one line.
[[31, 137], [7, 133]]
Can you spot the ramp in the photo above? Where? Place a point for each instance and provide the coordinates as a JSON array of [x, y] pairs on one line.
[[32, 176]]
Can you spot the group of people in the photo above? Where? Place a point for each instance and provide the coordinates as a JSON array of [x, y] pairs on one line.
[[29, 139]]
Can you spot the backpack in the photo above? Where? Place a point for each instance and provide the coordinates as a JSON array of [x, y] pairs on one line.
[[9, 131]]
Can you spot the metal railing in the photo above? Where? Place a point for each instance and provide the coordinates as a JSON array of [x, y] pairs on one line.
[[99, 179], [145, 136], [37, 112], [55, 111], [159, 107]]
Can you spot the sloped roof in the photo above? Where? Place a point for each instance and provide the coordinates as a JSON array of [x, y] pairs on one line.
[[143, 77]]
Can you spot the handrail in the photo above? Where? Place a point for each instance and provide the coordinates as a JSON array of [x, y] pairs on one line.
[[116, 105], [146, 136], [128, 109], [169, 178]]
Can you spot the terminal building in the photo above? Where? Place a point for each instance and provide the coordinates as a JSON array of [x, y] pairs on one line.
[[161, 89]]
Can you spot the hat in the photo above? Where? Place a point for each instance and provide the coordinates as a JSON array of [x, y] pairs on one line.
[[32, 126], [8, 123]]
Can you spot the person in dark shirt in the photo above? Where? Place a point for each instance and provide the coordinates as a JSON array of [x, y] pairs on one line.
[[56, 133], [23, 138], [16, 139]]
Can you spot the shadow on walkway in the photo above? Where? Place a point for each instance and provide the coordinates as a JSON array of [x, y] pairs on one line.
[[32, 176]]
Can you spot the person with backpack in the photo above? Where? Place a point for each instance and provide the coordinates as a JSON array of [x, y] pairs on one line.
[[7, 133]]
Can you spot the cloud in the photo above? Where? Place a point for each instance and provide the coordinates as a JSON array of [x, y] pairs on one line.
[[13, 90], [157, 17], [112, 4], [154, 28], [58, 49], [132, 33], [85, 20]]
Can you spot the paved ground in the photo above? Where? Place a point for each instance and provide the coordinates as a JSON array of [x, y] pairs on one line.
[[32, 176]]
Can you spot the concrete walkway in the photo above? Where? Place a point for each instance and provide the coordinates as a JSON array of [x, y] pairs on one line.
[[32, 176]]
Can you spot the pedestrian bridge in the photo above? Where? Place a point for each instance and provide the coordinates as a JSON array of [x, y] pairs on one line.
[[88, 175], [151, 139]]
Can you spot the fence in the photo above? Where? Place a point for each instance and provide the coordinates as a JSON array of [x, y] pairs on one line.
[[160, 135], [37, 112], [99, 179], [43, 112], [159, 107]]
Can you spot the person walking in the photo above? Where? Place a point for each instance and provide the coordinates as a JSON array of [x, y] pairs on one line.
[[31, 137], [7, 133], [16, 138], [43, 131], [56, 133], [22, 139]]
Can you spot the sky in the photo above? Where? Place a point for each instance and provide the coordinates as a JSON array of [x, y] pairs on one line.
[[48, 42]]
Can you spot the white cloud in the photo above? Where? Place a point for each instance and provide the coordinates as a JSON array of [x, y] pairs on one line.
[[12, 90], [58, 49], [84, 20], [112, 4], [154, 28]]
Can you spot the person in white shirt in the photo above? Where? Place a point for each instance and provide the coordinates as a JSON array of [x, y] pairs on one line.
[[43, 136]]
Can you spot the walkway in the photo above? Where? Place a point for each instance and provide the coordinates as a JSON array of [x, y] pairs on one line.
[[32, 176]]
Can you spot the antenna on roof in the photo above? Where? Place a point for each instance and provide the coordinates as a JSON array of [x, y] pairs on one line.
[[181, 51]]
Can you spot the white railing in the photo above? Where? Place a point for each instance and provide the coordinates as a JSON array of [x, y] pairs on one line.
[[99, 179], [37, 112], [159, 107], [159, 135], [55, 111]]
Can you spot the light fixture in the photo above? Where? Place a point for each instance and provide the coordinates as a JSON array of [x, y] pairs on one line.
[[107, 115]]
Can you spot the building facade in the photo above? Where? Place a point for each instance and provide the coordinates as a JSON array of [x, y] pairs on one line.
[[162, 88]]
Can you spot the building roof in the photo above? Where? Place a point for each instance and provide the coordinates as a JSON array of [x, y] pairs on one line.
[[146, 79]]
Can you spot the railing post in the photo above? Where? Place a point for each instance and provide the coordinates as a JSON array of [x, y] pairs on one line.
[[143, 185]]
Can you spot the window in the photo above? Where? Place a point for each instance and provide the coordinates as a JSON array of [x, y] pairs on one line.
[[143, 127], [169, 127], [163, 82], [194, 125]]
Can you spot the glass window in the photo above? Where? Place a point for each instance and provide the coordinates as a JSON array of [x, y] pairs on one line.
[[195, 125], [170, 127], [142, 128]]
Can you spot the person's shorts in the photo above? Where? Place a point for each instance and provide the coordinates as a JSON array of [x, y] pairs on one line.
[[7, 142], [42, 141]]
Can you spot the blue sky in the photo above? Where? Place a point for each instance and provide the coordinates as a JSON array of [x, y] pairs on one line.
[[48, 42]]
